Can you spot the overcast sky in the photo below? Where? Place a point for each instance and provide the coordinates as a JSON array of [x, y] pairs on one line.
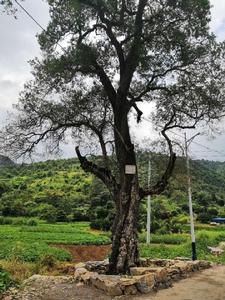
[[19, 45]]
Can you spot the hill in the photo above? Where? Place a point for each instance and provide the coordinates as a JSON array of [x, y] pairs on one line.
[[5, 161], [60, 191]]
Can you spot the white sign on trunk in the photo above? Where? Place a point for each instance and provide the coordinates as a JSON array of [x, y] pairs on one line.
[[130, 169]]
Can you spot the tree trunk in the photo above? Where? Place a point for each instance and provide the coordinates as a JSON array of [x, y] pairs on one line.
[[124, 232]]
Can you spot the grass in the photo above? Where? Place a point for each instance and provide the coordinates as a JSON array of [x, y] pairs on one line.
[[23, 248], [73, 234], [25, 252], [173, 239], [172, 248]]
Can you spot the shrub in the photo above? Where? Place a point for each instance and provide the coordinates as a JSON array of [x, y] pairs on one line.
[[31, 222], [18, 221], [5, 280], [49, 261], [5, 221]]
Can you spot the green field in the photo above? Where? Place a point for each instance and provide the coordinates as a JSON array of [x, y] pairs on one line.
[[30, 243], [179, 245], [27, 250], [16, 241]]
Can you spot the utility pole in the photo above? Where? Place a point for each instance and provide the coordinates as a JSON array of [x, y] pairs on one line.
[[148, 238], [193, 243]]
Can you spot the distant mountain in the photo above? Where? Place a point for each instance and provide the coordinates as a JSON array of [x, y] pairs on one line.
[[5, 161]]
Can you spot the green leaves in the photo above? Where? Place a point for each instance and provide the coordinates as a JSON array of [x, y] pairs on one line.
[[5, 280]]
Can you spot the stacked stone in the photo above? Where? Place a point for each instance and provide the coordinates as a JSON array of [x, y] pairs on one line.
[[151, 276]]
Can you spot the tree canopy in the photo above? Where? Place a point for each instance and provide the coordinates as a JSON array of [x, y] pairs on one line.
[[97, 51]]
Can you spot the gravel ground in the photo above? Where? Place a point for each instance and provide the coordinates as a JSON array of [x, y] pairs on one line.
[[206, 285]]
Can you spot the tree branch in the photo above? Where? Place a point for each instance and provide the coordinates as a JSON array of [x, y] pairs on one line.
[[134, 53], [160, 186], [102, 173], [108, 87]]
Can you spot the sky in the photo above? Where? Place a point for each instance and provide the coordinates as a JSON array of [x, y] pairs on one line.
[[19, 45]]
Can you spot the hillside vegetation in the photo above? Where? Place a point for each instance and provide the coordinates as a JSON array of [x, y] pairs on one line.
[[59, 190]]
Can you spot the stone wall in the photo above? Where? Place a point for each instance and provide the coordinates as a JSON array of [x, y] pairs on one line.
[[153, 274]]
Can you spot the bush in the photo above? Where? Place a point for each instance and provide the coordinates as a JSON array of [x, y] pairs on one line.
[[5, 280], [5, 221], [31, 222], [18, 221], [49, 261], [46, 212]]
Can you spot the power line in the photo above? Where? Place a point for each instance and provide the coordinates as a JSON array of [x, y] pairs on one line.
[[36, 22], [196, 143]]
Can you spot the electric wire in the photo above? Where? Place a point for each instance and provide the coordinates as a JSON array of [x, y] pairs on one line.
[[196, 143], [36, 22]]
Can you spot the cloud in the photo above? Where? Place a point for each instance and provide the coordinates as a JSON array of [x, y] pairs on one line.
[[19, 44], [218, 18]]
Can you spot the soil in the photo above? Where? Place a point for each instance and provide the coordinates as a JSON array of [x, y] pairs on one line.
[[86, 253]]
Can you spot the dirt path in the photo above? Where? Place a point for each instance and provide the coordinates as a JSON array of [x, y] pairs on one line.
[[206, 285]]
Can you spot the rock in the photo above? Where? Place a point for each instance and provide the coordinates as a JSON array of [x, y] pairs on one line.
[[80, 265], [80, 284], [136, 271], [67, 269], [86, 277], [182, 258], [145, 283], [109, 284], [195, 265], [160, 262], [183, 266], [216, 250], [143, 262], [222, 245], [130, 290], [127, 281], [161, 275], [144, 288], [204, 264], [81, 271], [97, 266]]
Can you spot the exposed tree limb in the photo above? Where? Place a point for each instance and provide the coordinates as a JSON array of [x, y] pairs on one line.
[[160, 186], [102, 173], [133, 55]]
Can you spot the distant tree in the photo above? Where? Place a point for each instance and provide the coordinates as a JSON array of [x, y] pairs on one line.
[[115, 55], [220, 202], [3, 188]]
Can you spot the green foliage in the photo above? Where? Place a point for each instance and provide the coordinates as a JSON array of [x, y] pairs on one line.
[[180, 245], [173, 239], [74, 233], [102, 208], [23, 251], [5, 280], [48, 260], [18, 221], [59, 191]]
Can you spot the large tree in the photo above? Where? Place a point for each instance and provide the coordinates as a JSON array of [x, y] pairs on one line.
[[101, 58]]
